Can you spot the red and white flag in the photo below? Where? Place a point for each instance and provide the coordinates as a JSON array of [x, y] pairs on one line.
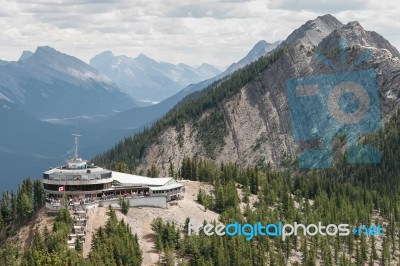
[[61, 188]]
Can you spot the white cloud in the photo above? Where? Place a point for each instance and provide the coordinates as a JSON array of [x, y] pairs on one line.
[[318, 5], [214, 31]]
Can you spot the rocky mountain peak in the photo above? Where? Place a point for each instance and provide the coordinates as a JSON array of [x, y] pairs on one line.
[[261, 48], [144, 59], [356, 35], [45, 50], [103, 57], [313, 31], [105, 54], [328, 19], [25, 55], [49, 56]]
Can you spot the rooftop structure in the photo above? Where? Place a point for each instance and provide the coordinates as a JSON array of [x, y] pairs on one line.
[[86, 184]]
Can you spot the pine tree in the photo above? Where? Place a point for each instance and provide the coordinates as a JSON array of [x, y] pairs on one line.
[[125, 204], [186, 226], [78, 246], [171, 171], [219, 200], [122, 167], [152, 172], [38, 197]]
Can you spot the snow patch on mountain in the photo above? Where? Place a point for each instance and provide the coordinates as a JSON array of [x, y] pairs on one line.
[[87, 75], [3, 97]]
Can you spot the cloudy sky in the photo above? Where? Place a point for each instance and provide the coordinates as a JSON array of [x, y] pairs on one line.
[[190, 31]]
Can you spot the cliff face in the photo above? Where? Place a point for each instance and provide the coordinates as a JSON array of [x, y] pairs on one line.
[[257, 119]]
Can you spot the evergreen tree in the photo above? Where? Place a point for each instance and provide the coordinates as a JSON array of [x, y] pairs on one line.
[[38, 197], [78, 246]]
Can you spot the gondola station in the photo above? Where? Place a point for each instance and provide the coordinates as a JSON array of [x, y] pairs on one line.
[[83, 183]]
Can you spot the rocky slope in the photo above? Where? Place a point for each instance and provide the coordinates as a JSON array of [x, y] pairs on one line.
[[257, 118]]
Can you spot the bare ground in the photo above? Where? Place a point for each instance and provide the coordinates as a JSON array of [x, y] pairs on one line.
[[40, 220], [139, 219], [97, 217]]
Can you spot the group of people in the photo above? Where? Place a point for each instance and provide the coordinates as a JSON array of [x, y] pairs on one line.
[[108, 197], [53, 201], [81, 201]]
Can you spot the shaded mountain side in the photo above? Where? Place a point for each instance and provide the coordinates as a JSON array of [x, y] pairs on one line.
[[28, 146], [245, 118], [50, 84]]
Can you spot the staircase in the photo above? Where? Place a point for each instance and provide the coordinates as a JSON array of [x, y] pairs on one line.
[[78, 229]]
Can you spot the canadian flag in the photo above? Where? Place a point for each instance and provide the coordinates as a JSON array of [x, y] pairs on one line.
[[61, 188]]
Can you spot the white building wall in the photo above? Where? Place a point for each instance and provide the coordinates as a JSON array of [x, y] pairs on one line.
[[154, 201]]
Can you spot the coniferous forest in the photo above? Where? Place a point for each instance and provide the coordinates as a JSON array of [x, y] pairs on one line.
[[353, 194]]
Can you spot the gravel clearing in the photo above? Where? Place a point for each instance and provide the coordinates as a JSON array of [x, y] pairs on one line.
[[140, 218]]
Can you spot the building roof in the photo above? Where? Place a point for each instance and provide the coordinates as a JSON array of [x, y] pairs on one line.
[[61, 170], [166, 187], [129, 179]]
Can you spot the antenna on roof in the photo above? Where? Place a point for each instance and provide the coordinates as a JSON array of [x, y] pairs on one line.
[[76, 142]]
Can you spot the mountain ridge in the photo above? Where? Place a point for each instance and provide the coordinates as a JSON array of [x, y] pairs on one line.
[[253, 125], [146, 79], [49, 82]]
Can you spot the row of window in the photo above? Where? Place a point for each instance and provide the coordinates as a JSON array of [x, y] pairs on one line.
[[84, 177], [77, 187], [165, 191]]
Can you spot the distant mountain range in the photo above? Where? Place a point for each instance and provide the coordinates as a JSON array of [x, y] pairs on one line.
[[53, 85], [148, 80]]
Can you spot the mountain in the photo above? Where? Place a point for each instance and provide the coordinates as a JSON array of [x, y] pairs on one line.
[[245, 117], [25, 55], [260, 49], [148, 80], [49, 86], [136, 118], [53, 85], [313, 31]]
